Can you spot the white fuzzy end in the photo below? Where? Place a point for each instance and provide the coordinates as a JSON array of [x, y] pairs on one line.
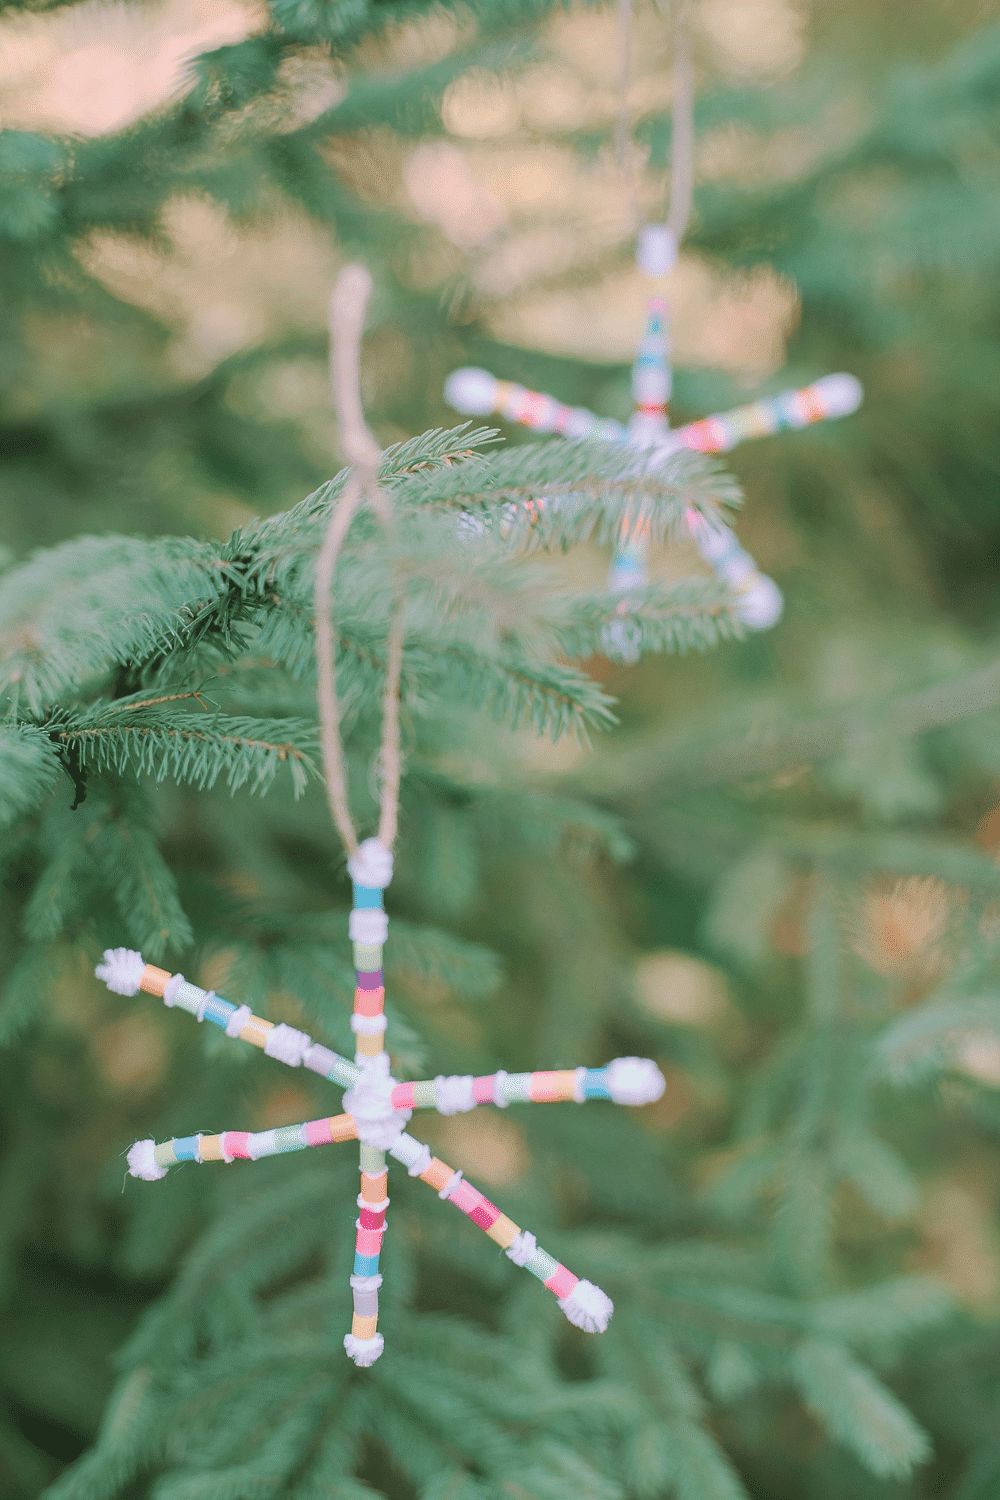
[[371, 865], [364, 1352], [634, 1080], [471, 391], [453, 1095], [142, 1163], [522, 1249], [762, 604], [121, 970], [587, 1307], [838, 395], [287, 1045]]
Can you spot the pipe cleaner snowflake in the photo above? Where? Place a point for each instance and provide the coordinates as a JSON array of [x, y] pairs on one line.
[[377, 1108], [475, 392]]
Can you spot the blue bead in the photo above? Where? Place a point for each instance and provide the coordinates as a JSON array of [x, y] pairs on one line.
[[187, 1148], [365, 897], [365, 1265], [219, 1010], [595, 1084]]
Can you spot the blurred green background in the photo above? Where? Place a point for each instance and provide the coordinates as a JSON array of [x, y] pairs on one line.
[[179, 183]]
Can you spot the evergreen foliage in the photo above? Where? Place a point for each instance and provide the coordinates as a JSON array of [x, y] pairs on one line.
[[800, 1240]]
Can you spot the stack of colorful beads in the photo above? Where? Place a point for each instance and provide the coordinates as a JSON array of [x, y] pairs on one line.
[[370, 870], [651, 380]]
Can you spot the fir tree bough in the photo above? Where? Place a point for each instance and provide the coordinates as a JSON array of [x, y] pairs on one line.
[[778, 874]]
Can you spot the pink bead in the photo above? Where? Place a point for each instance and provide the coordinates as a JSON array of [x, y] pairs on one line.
[[318, 1132], [402, 1096], [485, 1214], [562, 1282], [369, 1241], [482, 1089], [466, 1197], [369, 1002], [234, 1143]]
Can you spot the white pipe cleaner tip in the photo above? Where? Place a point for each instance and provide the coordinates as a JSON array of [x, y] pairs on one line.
[[839, 394], [635, 1080], [587, 1307], [471, 391], [364, 1352], [656, 252], [762, 605], [121, 970], [142, 1163], [371, 865]]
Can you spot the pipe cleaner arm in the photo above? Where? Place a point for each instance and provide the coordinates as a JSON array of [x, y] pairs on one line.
[[475, 392], [125, 972], [626, 1080], [584, 1304], [150, 1161]]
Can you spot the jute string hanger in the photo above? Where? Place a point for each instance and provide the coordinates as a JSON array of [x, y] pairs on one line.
[[658, 244], [347, 316]]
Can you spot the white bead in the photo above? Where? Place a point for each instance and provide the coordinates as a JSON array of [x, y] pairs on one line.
[[287, 1045], [365, 1283], [238, 1020], [262, 1143], [414, 1154], [368, 925], [450, 1185], [318, 1059], [453, 1095], [522, 1249], [171, 987], [368, 1025]]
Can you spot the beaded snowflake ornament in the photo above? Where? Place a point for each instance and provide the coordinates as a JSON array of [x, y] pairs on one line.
[[377, 1109], [476, 392]]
